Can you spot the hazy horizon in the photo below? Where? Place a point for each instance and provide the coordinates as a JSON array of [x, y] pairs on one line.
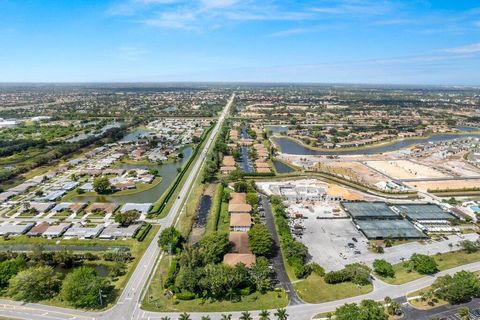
[[329, 41]]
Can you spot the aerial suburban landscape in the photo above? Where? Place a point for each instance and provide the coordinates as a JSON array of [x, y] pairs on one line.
[[239, 160]]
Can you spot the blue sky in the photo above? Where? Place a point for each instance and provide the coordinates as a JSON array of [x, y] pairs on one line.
[[348, 41]]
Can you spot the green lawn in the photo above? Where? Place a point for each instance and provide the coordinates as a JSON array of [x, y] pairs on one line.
[[445, 261], [155, 300], [214, 213], [224, 219], [315, 290]]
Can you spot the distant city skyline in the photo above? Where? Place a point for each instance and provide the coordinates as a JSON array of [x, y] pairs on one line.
[[333, 41]]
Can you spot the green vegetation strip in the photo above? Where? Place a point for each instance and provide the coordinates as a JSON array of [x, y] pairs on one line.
[[163, 201], [444, 260]]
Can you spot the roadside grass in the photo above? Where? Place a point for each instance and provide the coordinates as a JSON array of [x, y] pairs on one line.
[[214, 214], [223, 224], [445, 261], [314, 289], [190, 207], [156, 300], [418, 303], [157, 204]]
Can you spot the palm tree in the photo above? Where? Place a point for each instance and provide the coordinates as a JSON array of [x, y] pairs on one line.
[[281, 314], [226, 317], [463, 313], [264, 315], [165, 318], [246, 316], [184, 316], [206, 318]]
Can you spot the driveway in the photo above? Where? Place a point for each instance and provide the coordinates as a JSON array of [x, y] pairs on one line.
[[277, 260]]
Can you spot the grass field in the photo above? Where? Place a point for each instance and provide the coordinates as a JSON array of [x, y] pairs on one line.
[[445, 261], [214, 213], [155, 300], [315, 290]]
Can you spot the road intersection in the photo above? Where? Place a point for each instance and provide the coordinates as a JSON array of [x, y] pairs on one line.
[[129, 302]]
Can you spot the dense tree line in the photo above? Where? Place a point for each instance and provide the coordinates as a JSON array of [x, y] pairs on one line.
[[197, 272], [296, 253], [33, 277]]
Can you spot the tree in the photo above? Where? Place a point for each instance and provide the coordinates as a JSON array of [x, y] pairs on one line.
[[101, 185], [372, 310], [184, 316], [246, 316], [281, 314], [348, 311], [241, 186], [34, 284], [470, 246], [226, 317], [126, 218], [83, 288], [424, 264], [260, 240], [9, 268], [464, 313], [170, 240], [366, 310], [462, 287], [264, 315], [383, 268], [206, 318], [252, 199], [260, 275], [214, 246]]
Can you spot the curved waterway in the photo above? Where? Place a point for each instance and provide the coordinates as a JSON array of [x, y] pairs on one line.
[[290, 146], [167, 171]]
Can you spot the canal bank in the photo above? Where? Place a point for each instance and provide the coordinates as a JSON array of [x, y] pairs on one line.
[[290, 145]]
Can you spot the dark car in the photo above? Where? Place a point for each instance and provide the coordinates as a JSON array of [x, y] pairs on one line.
[[354, 239]]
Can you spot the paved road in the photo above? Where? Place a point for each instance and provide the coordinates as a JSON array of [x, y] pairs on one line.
[[128, 304], [277, 260]]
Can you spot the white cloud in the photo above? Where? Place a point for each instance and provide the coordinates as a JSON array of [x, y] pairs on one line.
[[472, 48]]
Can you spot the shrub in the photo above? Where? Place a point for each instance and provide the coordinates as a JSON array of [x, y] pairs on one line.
[[424, 264], [314, 267], [383, 268], [185, 296]]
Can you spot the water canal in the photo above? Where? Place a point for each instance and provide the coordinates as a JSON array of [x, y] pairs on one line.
[[290, 146], [167, 171]]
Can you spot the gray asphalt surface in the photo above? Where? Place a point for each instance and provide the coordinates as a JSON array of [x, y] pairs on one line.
[[277, 260]]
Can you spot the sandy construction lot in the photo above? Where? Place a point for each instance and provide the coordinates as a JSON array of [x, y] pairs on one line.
[[405, 169], [445, 184], [461, 168], [354, 171]]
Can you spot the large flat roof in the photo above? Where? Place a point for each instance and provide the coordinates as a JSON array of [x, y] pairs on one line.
[[424, 212], [369, 210], [389, 229]]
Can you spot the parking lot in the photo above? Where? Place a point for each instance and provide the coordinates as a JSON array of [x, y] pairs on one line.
[[330, 243], [328, 239]]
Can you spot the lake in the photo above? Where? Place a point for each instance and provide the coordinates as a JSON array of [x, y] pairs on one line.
[[167, 171], [289, 146], [281, 167]]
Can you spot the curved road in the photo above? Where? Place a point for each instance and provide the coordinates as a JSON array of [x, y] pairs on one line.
[[128, 304]]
